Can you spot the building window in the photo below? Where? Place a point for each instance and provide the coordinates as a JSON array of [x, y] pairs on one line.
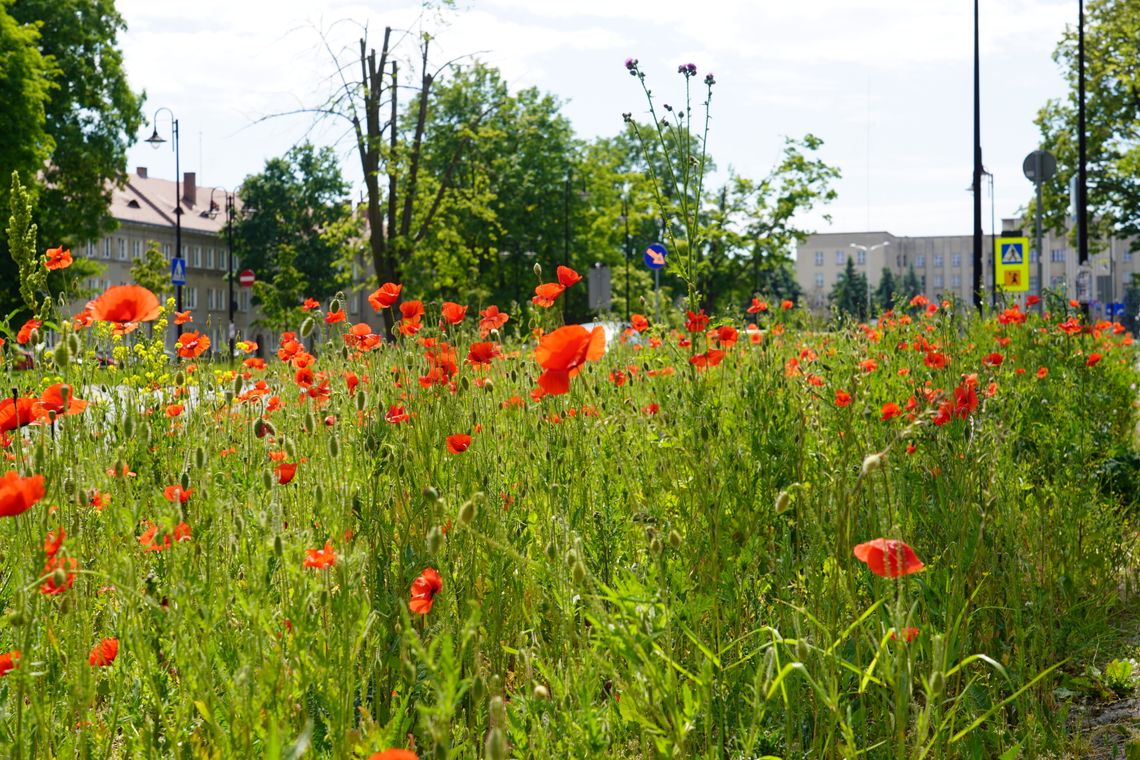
[[210, 299], [1033, 283], [819, 281], [90, 249], [1128, 256], [166, 251], [938, 261], [956, 281], [920, 260], [861, 257], [243, 300], [122, 249], [840, 258], [819, 258], [196, 261], [136, 249], [1032, 256], [209, 258], [956, 260], [190, 298], [938, 281], [1057, 255]]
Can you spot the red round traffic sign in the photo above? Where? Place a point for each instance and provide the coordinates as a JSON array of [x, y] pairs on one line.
[[246, 278]]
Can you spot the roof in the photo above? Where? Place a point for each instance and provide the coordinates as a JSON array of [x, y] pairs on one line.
[[150, 201]]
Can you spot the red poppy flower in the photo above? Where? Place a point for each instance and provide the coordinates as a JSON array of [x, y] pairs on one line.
[[563, 352], [320, 558], [285, 472], [424, 589], [709, 358], [104, 653], [182, 317], [173, 410], [392, 754], [192, 344], [310, 304], [842, 398], [757, 306], [333, 317], [385, 296], [68, 566], [25, 334], [1032, 300], [457, 444], [412, 309], [725, 336], [396, 415], [888, 557], [125, 304], [567, 276], [935, 360], [910, 633], [18, 494], [546, 293], [868, 365], [177, 494], [491, 319], [696, 323], [1092, 360], [15, 413], [638, 322], [58, 258], [787, 304], [993, 360], [53, 541], [53, 401], [482, 354], [180, 532], [890, 409], [9, 661], [453, 313], [1042, 372]]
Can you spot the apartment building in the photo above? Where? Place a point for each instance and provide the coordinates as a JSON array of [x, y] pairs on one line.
[[944, 264]]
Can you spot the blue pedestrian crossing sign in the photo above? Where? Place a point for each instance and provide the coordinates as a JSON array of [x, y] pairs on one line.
[[1011, 264], [178, 271]]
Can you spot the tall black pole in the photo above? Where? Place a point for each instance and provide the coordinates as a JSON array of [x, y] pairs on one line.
[[1082, 145], [230, 247], [977, 185], [177, 217]]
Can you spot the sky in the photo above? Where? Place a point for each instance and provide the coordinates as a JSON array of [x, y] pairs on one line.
[[887, 84]]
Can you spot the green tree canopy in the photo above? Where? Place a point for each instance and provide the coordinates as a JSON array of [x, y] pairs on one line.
[[849, 295], [297, 217]]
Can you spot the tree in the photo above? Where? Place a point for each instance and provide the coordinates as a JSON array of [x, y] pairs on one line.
[[849, 295], [92, 116], [886, 293], [911, 286], [1112, 80], [152, 271], [298, 221]]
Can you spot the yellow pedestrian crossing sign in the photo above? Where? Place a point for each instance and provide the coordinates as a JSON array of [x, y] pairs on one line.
[[1011, 264]]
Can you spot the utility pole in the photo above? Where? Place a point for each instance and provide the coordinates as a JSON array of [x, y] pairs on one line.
[[977, 184]]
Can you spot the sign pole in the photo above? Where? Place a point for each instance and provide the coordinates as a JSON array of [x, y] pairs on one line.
[[1037, 171], [656, 296]]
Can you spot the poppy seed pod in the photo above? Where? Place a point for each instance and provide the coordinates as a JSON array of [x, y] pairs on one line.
[[467, 513], [537, 270], [496, 745], [307, 327], [62, 355], [180, 378], [783, 501], [434, 539], [73, 341], [278, 549]]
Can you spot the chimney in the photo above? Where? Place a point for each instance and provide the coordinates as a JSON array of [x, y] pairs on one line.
[[141, 171], [190, 189]]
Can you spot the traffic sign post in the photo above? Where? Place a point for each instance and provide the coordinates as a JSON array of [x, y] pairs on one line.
[[1011, 264], [178, 271], [246, 278], [654, 257]]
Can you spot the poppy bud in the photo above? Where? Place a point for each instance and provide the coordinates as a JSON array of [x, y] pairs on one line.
[[199, 457], [307, 327], [73, 341], [655, 546], [184, 481], [497, 710], [488, 384], [783, 500], [345, 353], [803, 651], [431, 494], [871, 463], [336, 303], [261, 428], [319, 494], [334, 447], [129, 428], [278, 549], [62, 355], [16, 619], [463, 384], [434, 539], [541, 692], [309, 422], [267, 481], [324, 597], [478, 688], [180, 378], [496, 745], [538, 270], [550, 551], [467, 513], [228, 397], [675, 539], [69, 487], [578, 571], [937, 684], [291, 448], [59, 577], [239, 524], [361, 401]]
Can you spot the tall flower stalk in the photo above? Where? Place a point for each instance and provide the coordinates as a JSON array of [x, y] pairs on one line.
[[679, 191]]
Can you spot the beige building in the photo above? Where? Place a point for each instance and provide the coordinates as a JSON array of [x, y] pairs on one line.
[[944, 265], [144, 208]]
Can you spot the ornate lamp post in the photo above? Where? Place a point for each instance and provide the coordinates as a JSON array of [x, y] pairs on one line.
[[155, 141]]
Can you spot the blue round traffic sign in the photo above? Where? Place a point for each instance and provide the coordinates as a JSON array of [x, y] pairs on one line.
[[655, 256]]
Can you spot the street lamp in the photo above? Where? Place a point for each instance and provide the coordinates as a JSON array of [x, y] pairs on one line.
[[628, 255], [868, 250], [213, 213], [155, 141]]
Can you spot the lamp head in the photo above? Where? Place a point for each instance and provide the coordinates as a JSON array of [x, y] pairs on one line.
[[155, 139]]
